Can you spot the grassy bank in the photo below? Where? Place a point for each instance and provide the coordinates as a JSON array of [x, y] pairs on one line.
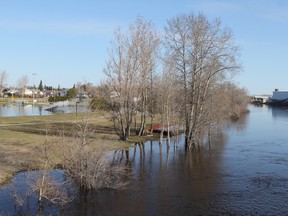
[[22, 137]]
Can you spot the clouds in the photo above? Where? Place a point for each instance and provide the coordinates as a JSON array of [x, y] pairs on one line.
[[90, 27]]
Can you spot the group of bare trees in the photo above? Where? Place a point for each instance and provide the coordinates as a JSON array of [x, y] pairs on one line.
[[205, 58], [22, 82], [185, 76], [130, 68]]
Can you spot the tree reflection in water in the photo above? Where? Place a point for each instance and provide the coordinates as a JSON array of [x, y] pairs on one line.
[[241, 173], [165, 179]]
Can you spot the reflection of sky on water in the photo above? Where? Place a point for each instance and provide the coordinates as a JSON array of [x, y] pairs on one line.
[[21, 186], [34, 110], [20, 110], [264, 137], [243, 173], [279, 112], [262, 123]]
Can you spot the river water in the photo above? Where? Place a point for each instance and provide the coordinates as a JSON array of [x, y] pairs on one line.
[[245, 172]]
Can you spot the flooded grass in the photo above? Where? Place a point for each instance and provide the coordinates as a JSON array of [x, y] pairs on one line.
[[243, 173], [21, 137]]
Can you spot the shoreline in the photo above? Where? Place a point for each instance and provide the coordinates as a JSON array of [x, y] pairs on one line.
[[23, 137]]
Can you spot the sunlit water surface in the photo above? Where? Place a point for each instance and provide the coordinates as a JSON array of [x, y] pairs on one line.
[[8, 110], [245, 172]]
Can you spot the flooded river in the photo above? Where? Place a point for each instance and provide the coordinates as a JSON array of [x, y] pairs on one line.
[[245, 172], [8, 110]]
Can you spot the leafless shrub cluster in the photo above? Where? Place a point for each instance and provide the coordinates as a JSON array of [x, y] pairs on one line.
[[46, 188], [19, 198], [41, 183], [86, 161], [93, 170]]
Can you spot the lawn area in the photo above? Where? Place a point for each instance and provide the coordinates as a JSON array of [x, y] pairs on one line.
[[22, 137]]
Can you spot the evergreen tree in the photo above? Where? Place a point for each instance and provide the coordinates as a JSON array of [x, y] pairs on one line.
[[40, 87], [72, 93]]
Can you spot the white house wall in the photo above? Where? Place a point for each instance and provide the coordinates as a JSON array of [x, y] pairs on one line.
[[28, 92]]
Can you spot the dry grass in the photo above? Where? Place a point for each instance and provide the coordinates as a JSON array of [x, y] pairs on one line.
[[17, 151], [22, 137]]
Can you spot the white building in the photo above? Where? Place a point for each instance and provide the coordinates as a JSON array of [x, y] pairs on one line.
[[262, 99], [27, 92], [63, 92], [280, 95]]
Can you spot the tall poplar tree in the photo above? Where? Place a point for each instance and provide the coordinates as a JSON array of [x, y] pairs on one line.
[[205, 56]]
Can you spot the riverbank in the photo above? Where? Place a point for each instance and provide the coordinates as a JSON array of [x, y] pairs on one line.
[[23, 137]]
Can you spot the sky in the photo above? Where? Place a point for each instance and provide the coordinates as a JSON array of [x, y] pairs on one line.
[[63, 42]]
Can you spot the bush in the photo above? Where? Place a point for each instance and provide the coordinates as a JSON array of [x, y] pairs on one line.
[[57, 98], [99, 104], [72, 93]]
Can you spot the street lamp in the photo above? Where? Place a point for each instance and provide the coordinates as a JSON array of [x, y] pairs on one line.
[[77, 107]]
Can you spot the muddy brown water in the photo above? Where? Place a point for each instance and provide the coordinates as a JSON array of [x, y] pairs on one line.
[[245, 172]]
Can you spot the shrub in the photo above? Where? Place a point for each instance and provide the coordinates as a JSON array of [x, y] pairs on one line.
[[58, 98]]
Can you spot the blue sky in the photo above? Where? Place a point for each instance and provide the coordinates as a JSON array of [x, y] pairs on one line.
[[65, 41]]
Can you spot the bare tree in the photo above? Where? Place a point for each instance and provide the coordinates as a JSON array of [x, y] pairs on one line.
[[238, 100], [121, 70], [102, 91], [149, 47], [205, 56], [168, 89], [22, 82], [86, 87], [131, 60], [3, 79]]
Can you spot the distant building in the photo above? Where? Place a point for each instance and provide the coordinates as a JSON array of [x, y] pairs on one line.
[[279, 95], [10, 92], [260, 99], [48, 93], [27, 92], [63, 92]]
